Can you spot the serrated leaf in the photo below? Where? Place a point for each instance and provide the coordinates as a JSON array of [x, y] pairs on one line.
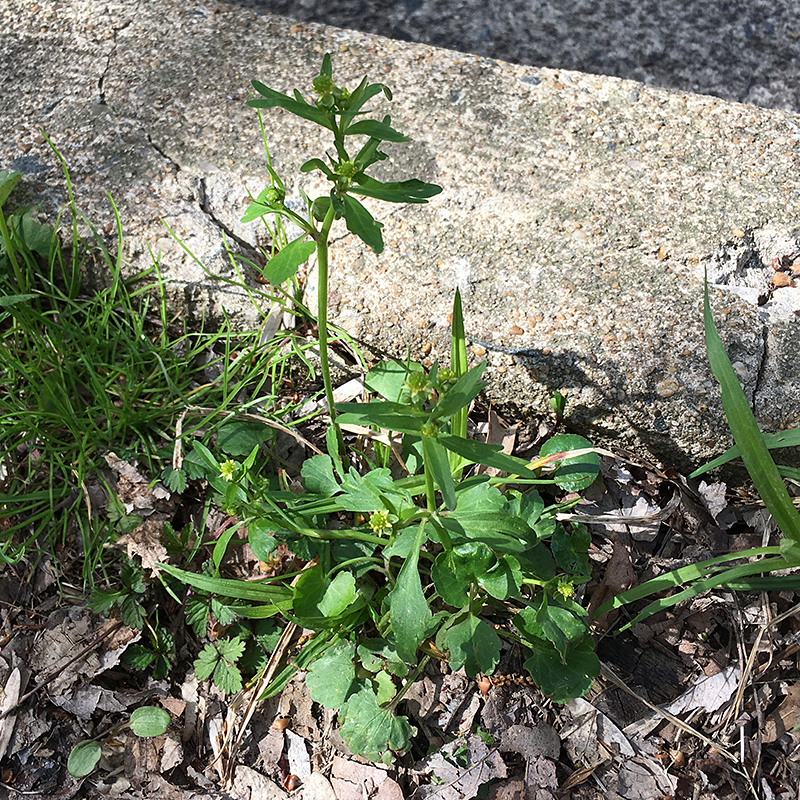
[[361, 223], [473, 645], [227, 677], [573, 473], [149, 721], [174, 479], [196, 611], [371, 731], [318, 476], [83, 759], [408, 609], [285, 263], [331, 676]]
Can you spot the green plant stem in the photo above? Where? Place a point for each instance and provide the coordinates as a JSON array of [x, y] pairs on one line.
[[322, 317], [408, 684], [23, 286]]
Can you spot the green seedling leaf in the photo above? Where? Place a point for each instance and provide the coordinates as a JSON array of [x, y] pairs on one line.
[[456, 569], [571, 552], [238, 438], [489, 455], [361, 223], [149, 721], [254, 591], [331, 676], [318, 163], [386, 415], [480, 499], [38, 238], [318, 475], [374, 491], [410, 191], [773, 441], [339, 595], [260, 538], [83, 758], [8, 180], [384, 687], [138, 656], [563, 680], [408, 609], [382, 131], [574, 472], [371, 731], [562, 626], [472, 644], [438, 462], [528, 506], [746, 433], [296, 105], [459, 365], [284, 264], [15, 299], [378, 655], [318, 601], [388, 378]]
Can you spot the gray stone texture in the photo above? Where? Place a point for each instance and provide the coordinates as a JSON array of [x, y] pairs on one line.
[[578, 212]]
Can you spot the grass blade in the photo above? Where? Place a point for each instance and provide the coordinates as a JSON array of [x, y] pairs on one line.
[[747, 434]]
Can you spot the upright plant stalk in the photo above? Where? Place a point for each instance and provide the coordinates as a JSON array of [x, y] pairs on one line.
[[322, 318]]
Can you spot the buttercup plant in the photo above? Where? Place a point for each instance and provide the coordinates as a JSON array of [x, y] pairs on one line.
[[339, 111], [398, 570]]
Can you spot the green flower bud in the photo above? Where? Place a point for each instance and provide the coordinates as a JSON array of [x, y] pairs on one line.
[[429, 429], [418, 388], [347, 169], [323, 85]]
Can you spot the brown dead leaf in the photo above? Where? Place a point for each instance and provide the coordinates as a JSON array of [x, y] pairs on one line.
[[618, 577], [145, 541], [785, 718], [354, 781]]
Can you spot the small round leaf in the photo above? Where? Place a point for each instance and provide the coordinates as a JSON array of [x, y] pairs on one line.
[[83, 759], [149, 721]]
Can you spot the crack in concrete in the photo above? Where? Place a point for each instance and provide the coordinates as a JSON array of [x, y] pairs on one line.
[[202, 202], [101, 80]]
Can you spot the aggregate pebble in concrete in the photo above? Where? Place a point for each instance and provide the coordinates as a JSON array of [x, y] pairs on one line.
[[578, 214]]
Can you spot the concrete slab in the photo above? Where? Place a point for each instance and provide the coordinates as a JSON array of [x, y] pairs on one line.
[[578, 214]]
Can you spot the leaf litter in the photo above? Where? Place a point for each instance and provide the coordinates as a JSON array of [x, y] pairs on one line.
[[725, 724]]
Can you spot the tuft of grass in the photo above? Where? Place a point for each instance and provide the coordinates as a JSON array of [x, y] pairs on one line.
[[86, 372]]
